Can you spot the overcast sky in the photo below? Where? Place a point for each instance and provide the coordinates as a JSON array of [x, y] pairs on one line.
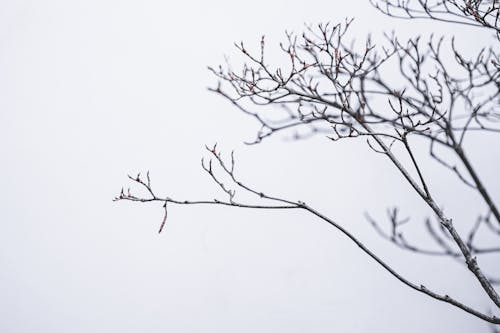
[[91, 91]]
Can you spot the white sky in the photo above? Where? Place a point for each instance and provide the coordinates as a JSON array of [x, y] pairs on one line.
[[93, 90]]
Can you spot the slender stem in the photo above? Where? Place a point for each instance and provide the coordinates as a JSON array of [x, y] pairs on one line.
[[446, 222], [480, 187], [419, 288]]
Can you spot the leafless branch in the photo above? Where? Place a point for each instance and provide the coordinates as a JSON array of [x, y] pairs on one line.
[[228, 170], [339, 88]]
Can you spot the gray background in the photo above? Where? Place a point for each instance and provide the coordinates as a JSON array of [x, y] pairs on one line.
[[91, 91]]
